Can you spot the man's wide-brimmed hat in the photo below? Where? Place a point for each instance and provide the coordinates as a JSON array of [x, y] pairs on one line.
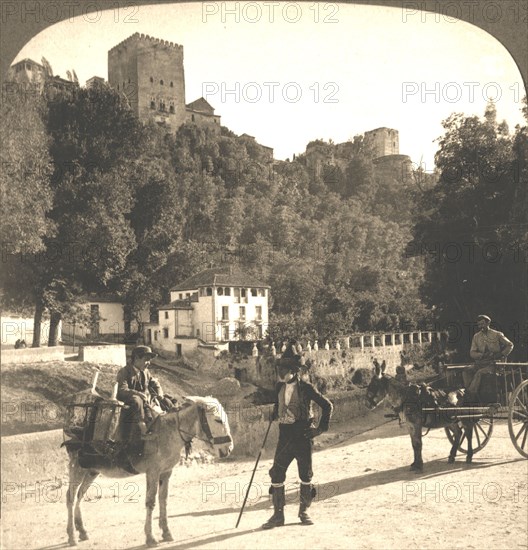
[[293, 363], [143, 351], [484, 318]]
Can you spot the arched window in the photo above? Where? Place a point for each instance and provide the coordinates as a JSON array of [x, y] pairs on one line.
[[171, 84], [220, 291], [118, 87], [209, 291], [161, 82], [192, 117], [171, 109], [151, 79]]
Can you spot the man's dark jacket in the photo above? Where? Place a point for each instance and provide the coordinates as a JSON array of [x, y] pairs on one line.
[[307, 394], [129, 383]]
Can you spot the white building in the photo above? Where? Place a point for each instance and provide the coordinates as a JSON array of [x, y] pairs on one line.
[[210, 309], [15, 327], [105, 319]]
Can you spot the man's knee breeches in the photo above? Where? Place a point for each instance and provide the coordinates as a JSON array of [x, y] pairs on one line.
[[292, 445]]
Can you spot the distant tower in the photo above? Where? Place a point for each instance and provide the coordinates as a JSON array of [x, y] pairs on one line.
[[383, 141], [385, 146], [149, 71]]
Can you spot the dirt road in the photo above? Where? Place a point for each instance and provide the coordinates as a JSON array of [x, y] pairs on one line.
[[367, 499]]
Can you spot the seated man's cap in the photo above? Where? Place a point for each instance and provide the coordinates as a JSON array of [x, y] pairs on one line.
[[484, 318], [142, 351]]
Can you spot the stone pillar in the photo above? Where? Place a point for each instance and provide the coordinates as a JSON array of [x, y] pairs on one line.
[[372, 340], [393, 339], [383, 340], [347, 342], [362, 341], [420, 338]]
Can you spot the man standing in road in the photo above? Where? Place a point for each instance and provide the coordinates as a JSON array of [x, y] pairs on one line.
[[293, 410]]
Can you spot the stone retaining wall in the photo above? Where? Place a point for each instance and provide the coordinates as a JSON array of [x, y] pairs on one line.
[[104, 354], [32, 355]]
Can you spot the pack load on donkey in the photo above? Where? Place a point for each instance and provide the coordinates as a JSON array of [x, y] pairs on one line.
[[92, 423]]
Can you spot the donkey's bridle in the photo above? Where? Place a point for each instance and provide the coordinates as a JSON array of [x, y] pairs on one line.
[[204, 424], [207, 430]]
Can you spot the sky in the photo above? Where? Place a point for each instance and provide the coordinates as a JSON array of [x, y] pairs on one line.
[[289, 73]]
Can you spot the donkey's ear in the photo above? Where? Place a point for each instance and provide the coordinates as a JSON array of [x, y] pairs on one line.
[[377, 370], [376, 364], [383, 366]]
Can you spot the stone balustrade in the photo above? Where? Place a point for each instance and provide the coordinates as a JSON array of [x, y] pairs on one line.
[[379, 340]]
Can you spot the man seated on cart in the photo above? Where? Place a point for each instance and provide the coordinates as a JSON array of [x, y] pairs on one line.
[[487, 346]]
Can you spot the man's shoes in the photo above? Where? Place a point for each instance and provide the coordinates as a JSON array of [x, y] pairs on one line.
[[144, 433], [279, 500], [305, 518], [276, 520], [307, 494]]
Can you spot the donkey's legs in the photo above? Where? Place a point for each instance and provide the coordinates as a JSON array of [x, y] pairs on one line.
[[153, 478], [89, 478], [163, 495], [76, 476], [415, 431], [457, 432]]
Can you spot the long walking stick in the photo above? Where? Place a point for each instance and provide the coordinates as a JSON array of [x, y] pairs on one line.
[[253, 474]]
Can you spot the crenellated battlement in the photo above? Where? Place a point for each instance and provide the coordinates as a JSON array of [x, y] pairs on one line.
[[140, 37]]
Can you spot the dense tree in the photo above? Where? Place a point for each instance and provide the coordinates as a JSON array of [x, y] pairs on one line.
[[135, 211], [25, 193], [472, 227]]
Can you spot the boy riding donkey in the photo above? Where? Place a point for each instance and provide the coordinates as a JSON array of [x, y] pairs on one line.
[[140, 390], [293, 410]]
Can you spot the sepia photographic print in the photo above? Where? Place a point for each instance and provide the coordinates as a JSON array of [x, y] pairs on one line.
[[263, 278]]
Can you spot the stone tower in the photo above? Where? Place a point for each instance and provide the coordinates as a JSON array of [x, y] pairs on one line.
[[149, 71], [383, 141]]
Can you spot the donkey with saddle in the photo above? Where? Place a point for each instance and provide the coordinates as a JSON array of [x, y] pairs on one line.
[[100, 443]]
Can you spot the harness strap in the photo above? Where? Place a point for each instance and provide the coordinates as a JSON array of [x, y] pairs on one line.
[[202, 415], [207, 430]]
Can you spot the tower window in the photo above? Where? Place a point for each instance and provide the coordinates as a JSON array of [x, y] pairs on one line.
[[118, 87], [192, 117], [171, 109], [129, 80], [161, 82], [171, 84], [151, 79]]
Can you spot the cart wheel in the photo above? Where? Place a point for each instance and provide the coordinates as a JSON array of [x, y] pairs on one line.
[[481, 434], [518, 418]]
